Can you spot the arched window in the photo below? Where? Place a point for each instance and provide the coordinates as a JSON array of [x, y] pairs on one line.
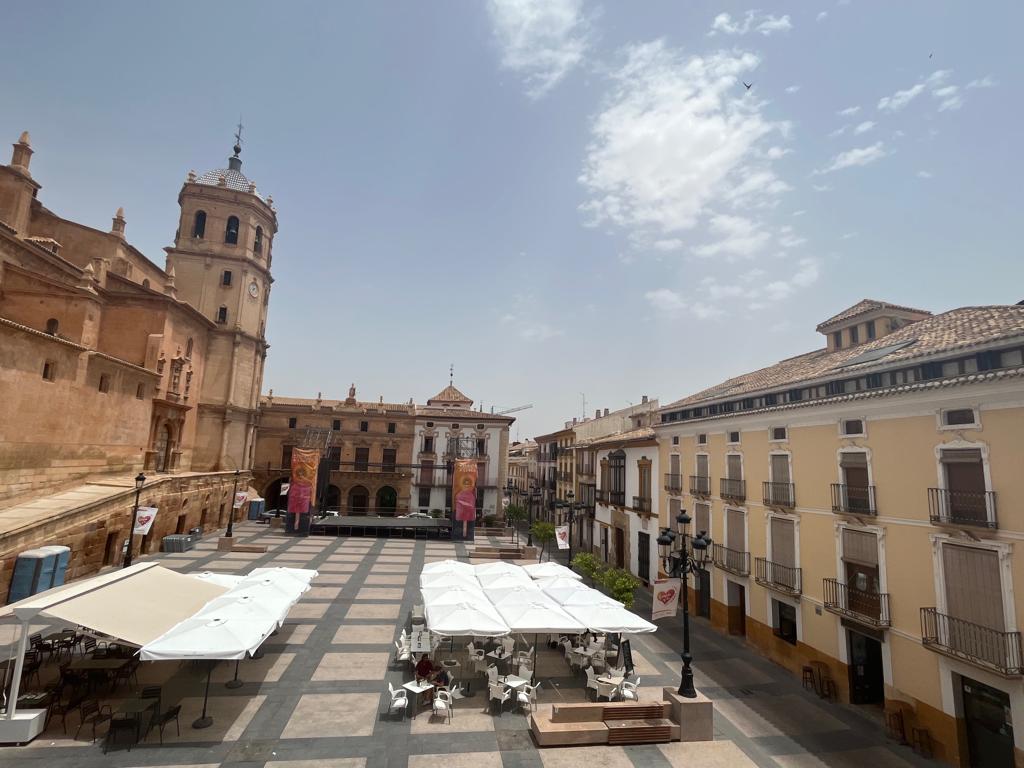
[[188, 348], [51, 326], [145, 283], [104, 383], [222, 314], [199, 224], [257, 245], [231, 232]]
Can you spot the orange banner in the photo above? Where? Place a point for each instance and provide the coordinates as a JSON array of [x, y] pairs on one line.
[[303, 481], [464, 490]]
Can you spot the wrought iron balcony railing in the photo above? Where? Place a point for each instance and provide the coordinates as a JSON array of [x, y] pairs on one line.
[[870, 608], [853, 499], [731, 559], [781, 495], [642, 503], [779, 577], [733, 490], [700, 485], [674, 483], [984, 646], [973, 508]]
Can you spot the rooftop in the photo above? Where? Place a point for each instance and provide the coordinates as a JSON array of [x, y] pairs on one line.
[[864, 306]]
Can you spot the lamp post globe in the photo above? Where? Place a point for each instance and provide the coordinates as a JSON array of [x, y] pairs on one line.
[[140, 480]]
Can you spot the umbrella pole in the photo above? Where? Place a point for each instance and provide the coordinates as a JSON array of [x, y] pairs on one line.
[[234, 682], [204, 720]]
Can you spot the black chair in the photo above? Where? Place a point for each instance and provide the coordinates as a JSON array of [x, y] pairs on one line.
[[88, 645], [39, 645], [66, 642], [152, 692], [33, 663], [63, 710], [161, 721], [93, 714], [126, 673], [118, 725]]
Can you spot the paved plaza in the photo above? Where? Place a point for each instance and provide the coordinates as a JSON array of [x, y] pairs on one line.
[[314, 699]]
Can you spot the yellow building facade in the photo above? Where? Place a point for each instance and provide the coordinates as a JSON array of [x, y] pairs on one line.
[[863, 501]]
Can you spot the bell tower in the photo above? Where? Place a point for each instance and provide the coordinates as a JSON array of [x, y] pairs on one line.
[[221, 262]]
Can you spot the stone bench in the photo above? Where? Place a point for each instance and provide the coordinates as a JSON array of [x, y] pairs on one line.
[[648, 731], [605, 723]]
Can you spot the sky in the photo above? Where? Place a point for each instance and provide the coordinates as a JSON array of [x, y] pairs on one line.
[[574, 203]]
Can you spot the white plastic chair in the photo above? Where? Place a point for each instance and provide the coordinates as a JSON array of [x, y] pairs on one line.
[[443, 704], [597, 661], [525, 672], [399, 700], [401, 652], [509, 644], [527, 697], [500, 694], [591, 681], [492, 675], [628, 691]]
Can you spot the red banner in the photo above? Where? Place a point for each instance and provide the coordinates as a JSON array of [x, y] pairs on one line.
[[303, 481], [464, 490]]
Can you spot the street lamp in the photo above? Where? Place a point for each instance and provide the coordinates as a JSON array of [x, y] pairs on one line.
[[231, 512], [679, 564], [534, 496], [140, 480], [571, 497]]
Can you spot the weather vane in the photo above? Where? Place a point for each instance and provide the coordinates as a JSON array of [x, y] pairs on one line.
[[238, 137], [451, 374]]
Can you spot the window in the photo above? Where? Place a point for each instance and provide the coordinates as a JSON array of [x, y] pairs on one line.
[[225, 278], [336, 425], [734, 437], [837, 339], [779, 433], [931, 371], [702, 439], [49, 370], [222, 315], [617, 464], [145, 283], [292, 422], [140, 392], [231, 231], [455, 426], [870, 328], [734, 466], [388, 460], [364, 426], [257, 245], [959, 417], [104, 383], [675, 440], [51, 326], [391, 427], [481, 447], [199, 225], [188, 349], [702, 518], [854, 334], [286, 456], [873, 380], [784, 621], [362, 462], [480, 426], [334, 457], [428, 445], [424, 497], [430, 424], [853, 427]]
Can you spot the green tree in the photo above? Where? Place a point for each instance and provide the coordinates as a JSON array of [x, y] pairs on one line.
[[543, 532], [515, 514], [621, 585], [587, 565]]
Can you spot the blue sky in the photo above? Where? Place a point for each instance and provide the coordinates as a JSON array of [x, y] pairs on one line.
[[558, 197]]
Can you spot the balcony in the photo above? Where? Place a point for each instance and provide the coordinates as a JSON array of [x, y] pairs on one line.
[[853, 500], [585, 470], [674, 484], [732, 490], [602, 497], [779, 577], [984, 646], [972, 508], [731, 560], [564, 477], [779, 495], [870, 608], [700, 485], [642, 504]]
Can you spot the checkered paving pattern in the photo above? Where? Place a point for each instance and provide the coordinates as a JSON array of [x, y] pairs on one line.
[[317, 697]]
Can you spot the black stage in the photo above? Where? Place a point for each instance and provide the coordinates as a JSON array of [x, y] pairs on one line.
[[382, 527]]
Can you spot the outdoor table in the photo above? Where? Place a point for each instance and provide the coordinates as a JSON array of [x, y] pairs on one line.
[[108, 665], [135, 708], [514, 682], [451, 666], [421, 642], [416, 687], [616, 681]]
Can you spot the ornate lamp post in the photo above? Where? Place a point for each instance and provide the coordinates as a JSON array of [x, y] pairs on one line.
[[140, 480], [231, 512], [571, 497], [534, 496], [679, 563]]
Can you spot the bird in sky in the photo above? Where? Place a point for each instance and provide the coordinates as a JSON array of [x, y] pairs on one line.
[[747, 84]]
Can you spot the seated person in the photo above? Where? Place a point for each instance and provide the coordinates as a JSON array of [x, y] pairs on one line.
[[440, 678], [424, 668]]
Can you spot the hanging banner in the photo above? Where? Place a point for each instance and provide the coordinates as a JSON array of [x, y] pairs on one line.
[[562, 536], [240, 498], [464, 492], [666, 598], [303, 481], [284, 489], [144, 520]]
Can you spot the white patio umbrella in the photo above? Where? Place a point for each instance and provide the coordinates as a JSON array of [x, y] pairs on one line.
[[498, 566], [275, 595], [539, 617], [448, 566], [610, 616], [241, 607], [515, 593], [560, 589], [220, 579], [465, 619], [502, 580], [587, 596], [453, 596], [305, 575], [549, 570], [447, 579]]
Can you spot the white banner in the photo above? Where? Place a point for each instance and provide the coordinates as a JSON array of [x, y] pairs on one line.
[[144, 520], [562, 536], [665, 599], [240, 498], [284, 489]]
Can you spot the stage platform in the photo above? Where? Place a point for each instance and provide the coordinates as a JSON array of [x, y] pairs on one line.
[[382, 527]]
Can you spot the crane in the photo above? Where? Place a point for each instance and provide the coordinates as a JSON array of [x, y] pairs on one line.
[[503, 411]]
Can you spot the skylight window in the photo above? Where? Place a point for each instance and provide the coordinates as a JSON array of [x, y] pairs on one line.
[[876, 354]]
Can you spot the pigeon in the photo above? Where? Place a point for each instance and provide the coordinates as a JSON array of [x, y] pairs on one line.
[[749, 85]]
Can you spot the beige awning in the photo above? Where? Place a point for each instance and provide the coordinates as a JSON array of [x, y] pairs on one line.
[[135, 605]]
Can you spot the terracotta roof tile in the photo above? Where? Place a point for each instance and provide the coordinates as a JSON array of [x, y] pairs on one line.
[[449, 395], [863, 306], [643, 433]]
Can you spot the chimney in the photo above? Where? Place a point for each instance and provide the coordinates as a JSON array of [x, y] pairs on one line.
[[605, 411], [597, 414], [117, 227], [643, 399], [22, 154], [574, 421]]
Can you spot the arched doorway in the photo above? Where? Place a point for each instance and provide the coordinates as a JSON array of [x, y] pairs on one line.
[[387, 500], [163, 448], [358, 500], [273, 495], [332, 499]]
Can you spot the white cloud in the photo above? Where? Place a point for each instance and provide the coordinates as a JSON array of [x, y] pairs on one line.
[[849, 111], [822, 15], [672, 140], [985, 82], [737, 237], [855, 157], [821, 187], [534, 331], [774, 153], [542, 40], [766, 24], [801, 212], [949, 98], [792, 88], [838, 131], [666, 301], [791, 241], [924, 174], [864, 127], [900, 99], [848, 236], [670, 244]]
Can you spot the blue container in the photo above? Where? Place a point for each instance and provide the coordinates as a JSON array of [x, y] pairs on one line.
[[256, 507], [61, 557]]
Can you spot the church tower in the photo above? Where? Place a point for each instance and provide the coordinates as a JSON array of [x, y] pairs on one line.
[[221, 265]]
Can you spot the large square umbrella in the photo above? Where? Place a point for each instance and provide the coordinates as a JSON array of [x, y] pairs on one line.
[[610, 617], [503, 580], [444, 579], [560, 589], [549, 570], [449, 566], [465, 619]]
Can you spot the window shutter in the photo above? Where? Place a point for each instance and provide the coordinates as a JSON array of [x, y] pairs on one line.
[[702, 465], [853, 460], [783, 542], [961, 456], [973, 589], [702, 518], [780, 468], [734, 465], [736, 536], [860, 547]]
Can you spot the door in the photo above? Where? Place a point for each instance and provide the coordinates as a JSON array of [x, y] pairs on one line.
[[855, 477], [620, 548], [702, 581], [737, 609], [965, 481], [867, 684], [988, 723], [604, 544], [779, 488], [643, 556]]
